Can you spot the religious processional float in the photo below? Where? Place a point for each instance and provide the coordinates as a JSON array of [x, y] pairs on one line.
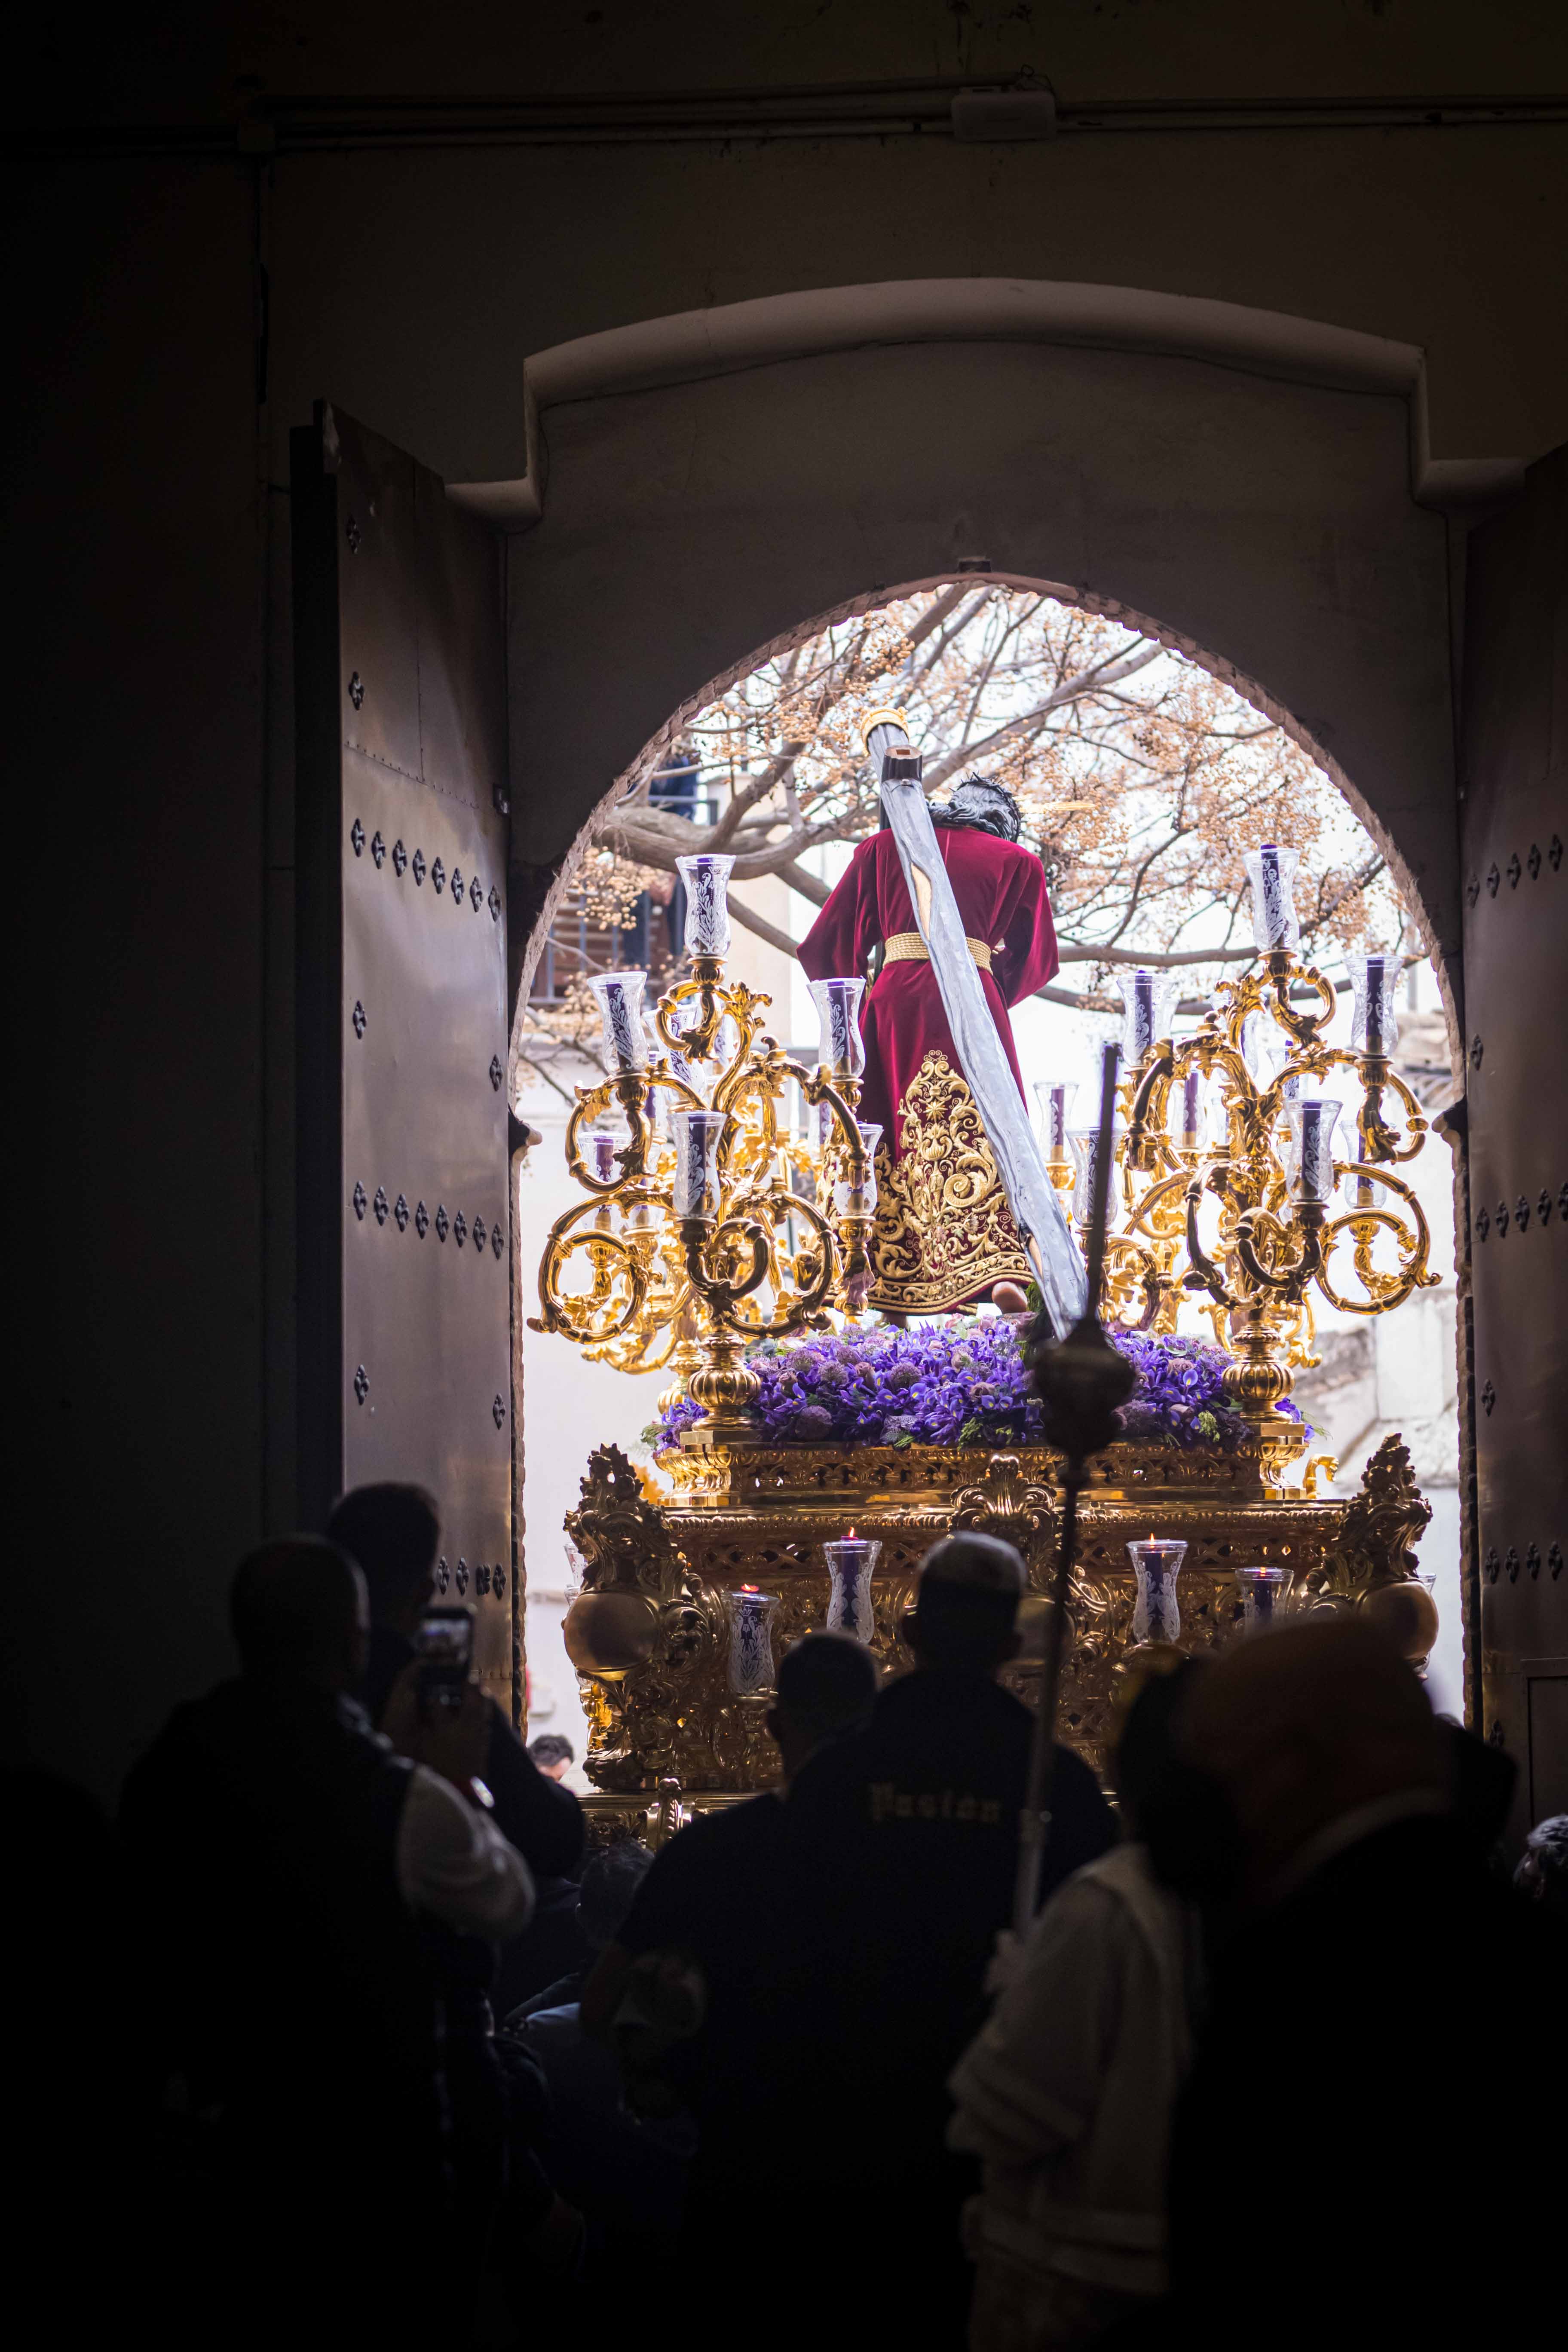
[[736, 1217]]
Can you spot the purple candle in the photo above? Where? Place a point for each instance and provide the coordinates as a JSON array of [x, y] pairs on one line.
[[851, 1564], [841, 1049], [750, 1641], [1156, 1564], [602, 1149], [1313, 1118], [1055, 1098], [1270, 871], [1374, 1025], [1262, 1590], [1192, 1107]]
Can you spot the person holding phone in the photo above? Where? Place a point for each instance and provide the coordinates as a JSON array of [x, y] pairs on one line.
[[307, 1895], [394, 1531]]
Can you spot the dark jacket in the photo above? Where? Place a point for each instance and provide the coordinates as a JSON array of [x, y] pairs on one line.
[[1387, 2038], [903, 1852], [262, 1828]]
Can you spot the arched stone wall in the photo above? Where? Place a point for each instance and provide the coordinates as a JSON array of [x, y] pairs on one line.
[[1262, 523]]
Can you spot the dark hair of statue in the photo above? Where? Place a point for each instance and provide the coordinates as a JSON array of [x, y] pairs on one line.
[[983, 805]]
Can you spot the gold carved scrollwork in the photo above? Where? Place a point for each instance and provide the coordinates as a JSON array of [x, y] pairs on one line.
[[759, 1517], [1372, 1567], [1004, 1501], [639, 1630]]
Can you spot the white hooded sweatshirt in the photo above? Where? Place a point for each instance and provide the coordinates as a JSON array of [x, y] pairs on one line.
[[1067, 2093]]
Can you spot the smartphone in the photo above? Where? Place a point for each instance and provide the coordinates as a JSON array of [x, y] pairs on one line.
[[444, 1645]]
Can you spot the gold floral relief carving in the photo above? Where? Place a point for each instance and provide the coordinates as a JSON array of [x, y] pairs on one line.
[[943, 1231], [671, 1716]]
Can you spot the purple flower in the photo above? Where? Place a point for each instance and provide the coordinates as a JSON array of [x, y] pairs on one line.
[[964, 1381]]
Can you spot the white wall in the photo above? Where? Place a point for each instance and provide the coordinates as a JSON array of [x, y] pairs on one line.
[[571, 1404]]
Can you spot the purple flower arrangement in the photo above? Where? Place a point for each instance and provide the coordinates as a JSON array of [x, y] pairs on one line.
[[961, 1381]]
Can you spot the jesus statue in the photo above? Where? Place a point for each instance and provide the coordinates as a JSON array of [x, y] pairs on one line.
[[944, 1236]]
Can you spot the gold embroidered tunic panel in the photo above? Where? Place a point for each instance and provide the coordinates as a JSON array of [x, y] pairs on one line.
[[943, 1232]]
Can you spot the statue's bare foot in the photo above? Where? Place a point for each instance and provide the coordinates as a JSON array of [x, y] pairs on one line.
[[1009, 1298]]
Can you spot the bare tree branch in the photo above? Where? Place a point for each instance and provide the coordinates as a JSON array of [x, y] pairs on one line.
[[1154, 958], [936, 613], [1087, 682], [752, 921], [746, 796], [810, 885], [1143, 780]]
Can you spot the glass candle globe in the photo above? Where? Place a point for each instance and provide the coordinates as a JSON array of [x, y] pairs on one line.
[[750, 1660], [1272, 872], [707, 880], [840, 1048], [698, 1135], [851, 1564], [1055, 1098], [619, 998], [1156, 1564], [1313, 1118], [1148, 1002], [1374, 1022]]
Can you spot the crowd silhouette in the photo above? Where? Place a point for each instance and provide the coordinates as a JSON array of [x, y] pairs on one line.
[[398, 2052]]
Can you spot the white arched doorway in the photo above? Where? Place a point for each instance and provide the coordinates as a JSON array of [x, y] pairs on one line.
[[1364, 1374]]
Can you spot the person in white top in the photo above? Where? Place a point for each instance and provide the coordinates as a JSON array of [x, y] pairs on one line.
[[451, 1861], [1067, 2093]]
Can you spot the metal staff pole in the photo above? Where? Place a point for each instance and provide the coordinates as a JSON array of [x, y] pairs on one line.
[[1081, 1380]]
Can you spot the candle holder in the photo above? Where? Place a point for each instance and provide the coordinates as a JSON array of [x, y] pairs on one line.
[[751, 1665], [1313, 1118], [707, 880], [1374, 1020], [709, 1224], [1246, 1214], [1156, 1564], [1055, 1098], [841, 1049], [1263, 1592], [619, 998], [857, 1196], [851, 1564], [1272, 872], [1148, 1002], [699, 1136]]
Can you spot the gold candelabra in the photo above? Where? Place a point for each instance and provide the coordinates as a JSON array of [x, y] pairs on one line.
[[709, 1224], [1226, 1182]]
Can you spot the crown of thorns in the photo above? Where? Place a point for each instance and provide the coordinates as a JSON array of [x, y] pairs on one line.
[[979, 801]]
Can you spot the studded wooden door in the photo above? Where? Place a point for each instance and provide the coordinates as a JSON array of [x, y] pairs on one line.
[[1515, 831], [404, 1241]]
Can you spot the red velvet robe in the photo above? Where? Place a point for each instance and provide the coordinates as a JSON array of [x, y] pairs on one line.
[[1001, 894]]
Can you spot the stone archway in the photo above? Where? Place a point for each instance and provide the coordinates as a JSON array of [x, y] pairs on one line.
[[1444, 961], [1251, 489]]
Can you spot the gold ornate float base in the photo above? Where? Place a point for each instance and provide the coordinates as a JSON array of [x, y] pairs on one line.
[[649, 1635]]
